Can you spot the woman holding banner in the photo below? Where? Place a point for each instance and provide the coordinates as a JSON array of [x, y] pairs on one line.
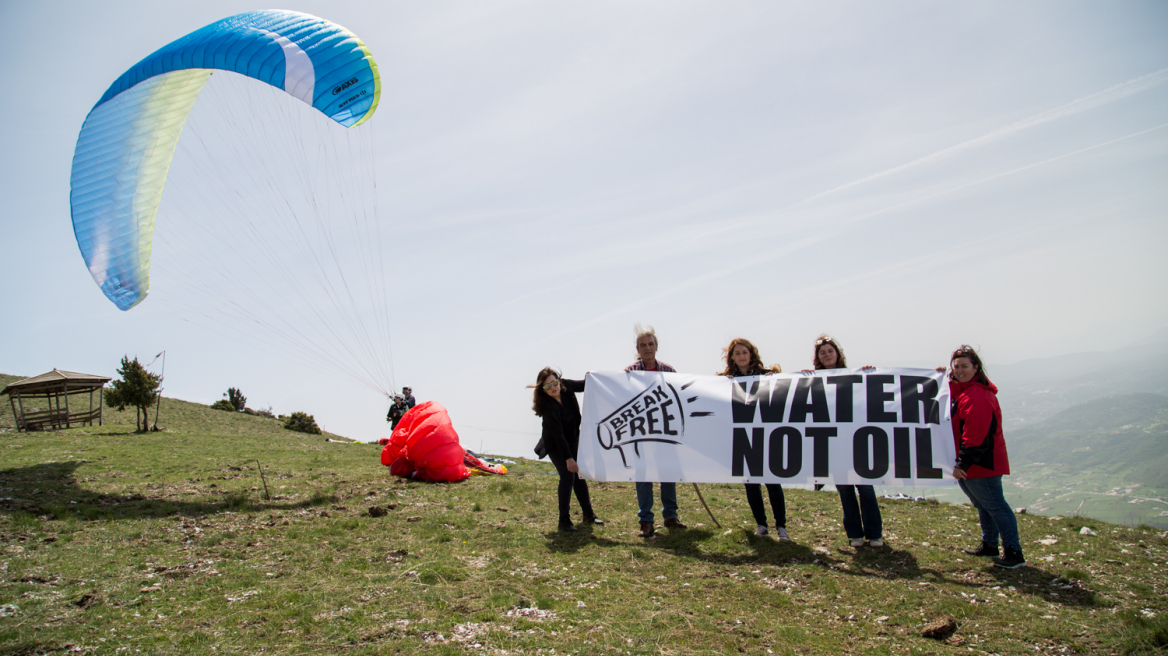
[[555, 401], [862, 520], [742, 359], [981, 456]]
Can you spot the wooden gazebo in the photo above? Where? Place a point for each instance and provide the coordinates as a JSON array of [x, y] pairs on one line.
[[55, 388]]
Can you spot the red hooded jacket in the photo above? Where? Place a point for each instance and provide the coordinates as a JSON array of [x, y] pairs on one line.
[[977, 429]]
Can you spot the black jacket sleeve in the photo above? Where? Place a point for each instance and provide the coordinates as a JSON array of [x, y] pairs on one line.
[[576, 386]]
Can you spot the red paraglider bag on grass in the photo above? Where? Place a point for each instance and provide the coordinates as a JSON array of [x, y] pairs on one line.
[[425, 446]]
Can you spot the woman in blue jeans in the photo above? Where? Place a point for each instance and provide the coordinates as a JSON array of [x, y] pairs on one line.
[[862, 520], [742, 359], [981, 456]]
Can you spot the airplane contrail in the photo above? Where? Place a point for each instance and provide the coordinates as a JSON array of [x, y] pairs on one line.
[[1007, 173], [1085, 103]]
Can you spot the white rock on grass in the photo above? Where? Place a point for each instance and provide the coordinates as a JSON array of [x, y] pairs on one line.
[[1086, 531]]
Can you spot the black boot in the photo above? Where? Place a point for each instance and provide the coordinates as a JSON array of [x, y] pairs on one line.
[[1012, 560], [592, 519], [986, 550], [567, 527]]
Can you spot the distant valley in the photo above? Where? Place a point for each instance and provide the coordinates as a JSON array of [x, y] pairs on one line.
[[1087, 434]]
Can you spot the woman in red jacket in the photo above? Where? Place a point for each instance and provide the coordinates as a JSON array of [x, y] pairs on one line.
[[981, 456]]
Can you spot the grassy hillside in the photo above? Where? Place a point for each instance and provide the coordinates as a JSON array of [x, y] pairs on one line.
[[175, 416], [163, 543]]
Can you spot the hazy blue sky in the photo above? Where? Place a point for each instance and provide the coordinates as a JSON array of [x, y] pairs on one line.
[[906, 176]]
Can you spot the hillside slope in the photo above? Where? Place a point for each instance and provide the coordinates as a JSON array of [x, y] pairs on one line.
[[1125, 436], [1036, 390], [175, 416], [1106, 459], [165, 543]]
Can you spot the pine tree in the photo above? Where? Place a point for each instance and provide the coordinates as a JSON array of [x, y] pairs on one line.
[[138, 388]]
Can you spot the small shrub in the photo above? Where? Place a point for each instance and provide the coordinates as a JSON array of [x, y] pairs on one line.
[[440, 573], [319, 498], [223, 404], [236, 398], [265, 412], [303, 423], [1143, 635], [237, 501], [24, 521]]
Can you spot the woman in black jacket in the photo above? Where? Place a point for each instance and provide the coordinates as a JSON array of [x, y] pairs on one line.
[[555, 402]]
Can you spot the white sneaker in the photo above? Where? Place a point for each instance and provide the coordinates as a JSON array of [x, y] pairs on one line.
[[876, 543], [858, 542], [760, 531], [781, 534]]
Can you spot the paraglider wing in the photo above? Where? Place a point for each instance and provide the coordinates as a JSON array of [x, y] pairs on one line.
[[126, 143], [425, 446]]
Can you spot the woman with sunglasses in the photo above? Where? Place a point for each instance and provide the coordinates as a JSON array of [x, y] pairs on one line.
[[555, 401], [742, 359], [862, 521], [981, 456]]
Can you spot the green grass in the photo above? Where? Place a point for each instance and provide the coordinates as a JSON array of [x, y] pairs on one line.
[[162, 543]]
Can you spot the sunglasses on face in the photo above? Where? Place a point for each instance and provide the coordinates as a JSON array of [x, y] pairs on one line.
[[547, 387]]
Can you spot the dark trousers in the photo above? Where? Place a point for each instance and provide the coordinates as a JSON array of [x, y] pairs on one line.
[[778, 503], [568, 482], [861, 519]]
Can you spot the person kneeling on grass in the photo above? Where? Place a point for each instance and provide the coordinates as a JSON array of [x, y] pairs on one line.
[[981, 456]]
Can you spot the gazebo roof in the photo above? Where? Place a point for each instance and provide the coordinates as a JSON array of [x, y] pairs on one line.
[[55, 379]]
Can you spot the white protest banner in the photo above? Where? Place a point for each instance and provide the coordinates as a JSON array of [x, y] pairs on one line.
[[837, 426]]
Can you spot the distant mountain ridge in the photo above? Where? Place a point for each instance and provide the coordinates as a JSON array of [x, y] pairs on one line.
[[1034, 390], [1125, 436]]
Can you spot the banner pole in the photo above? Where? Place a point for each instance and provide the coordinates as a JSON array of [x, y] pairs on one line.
[[703, 500]]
